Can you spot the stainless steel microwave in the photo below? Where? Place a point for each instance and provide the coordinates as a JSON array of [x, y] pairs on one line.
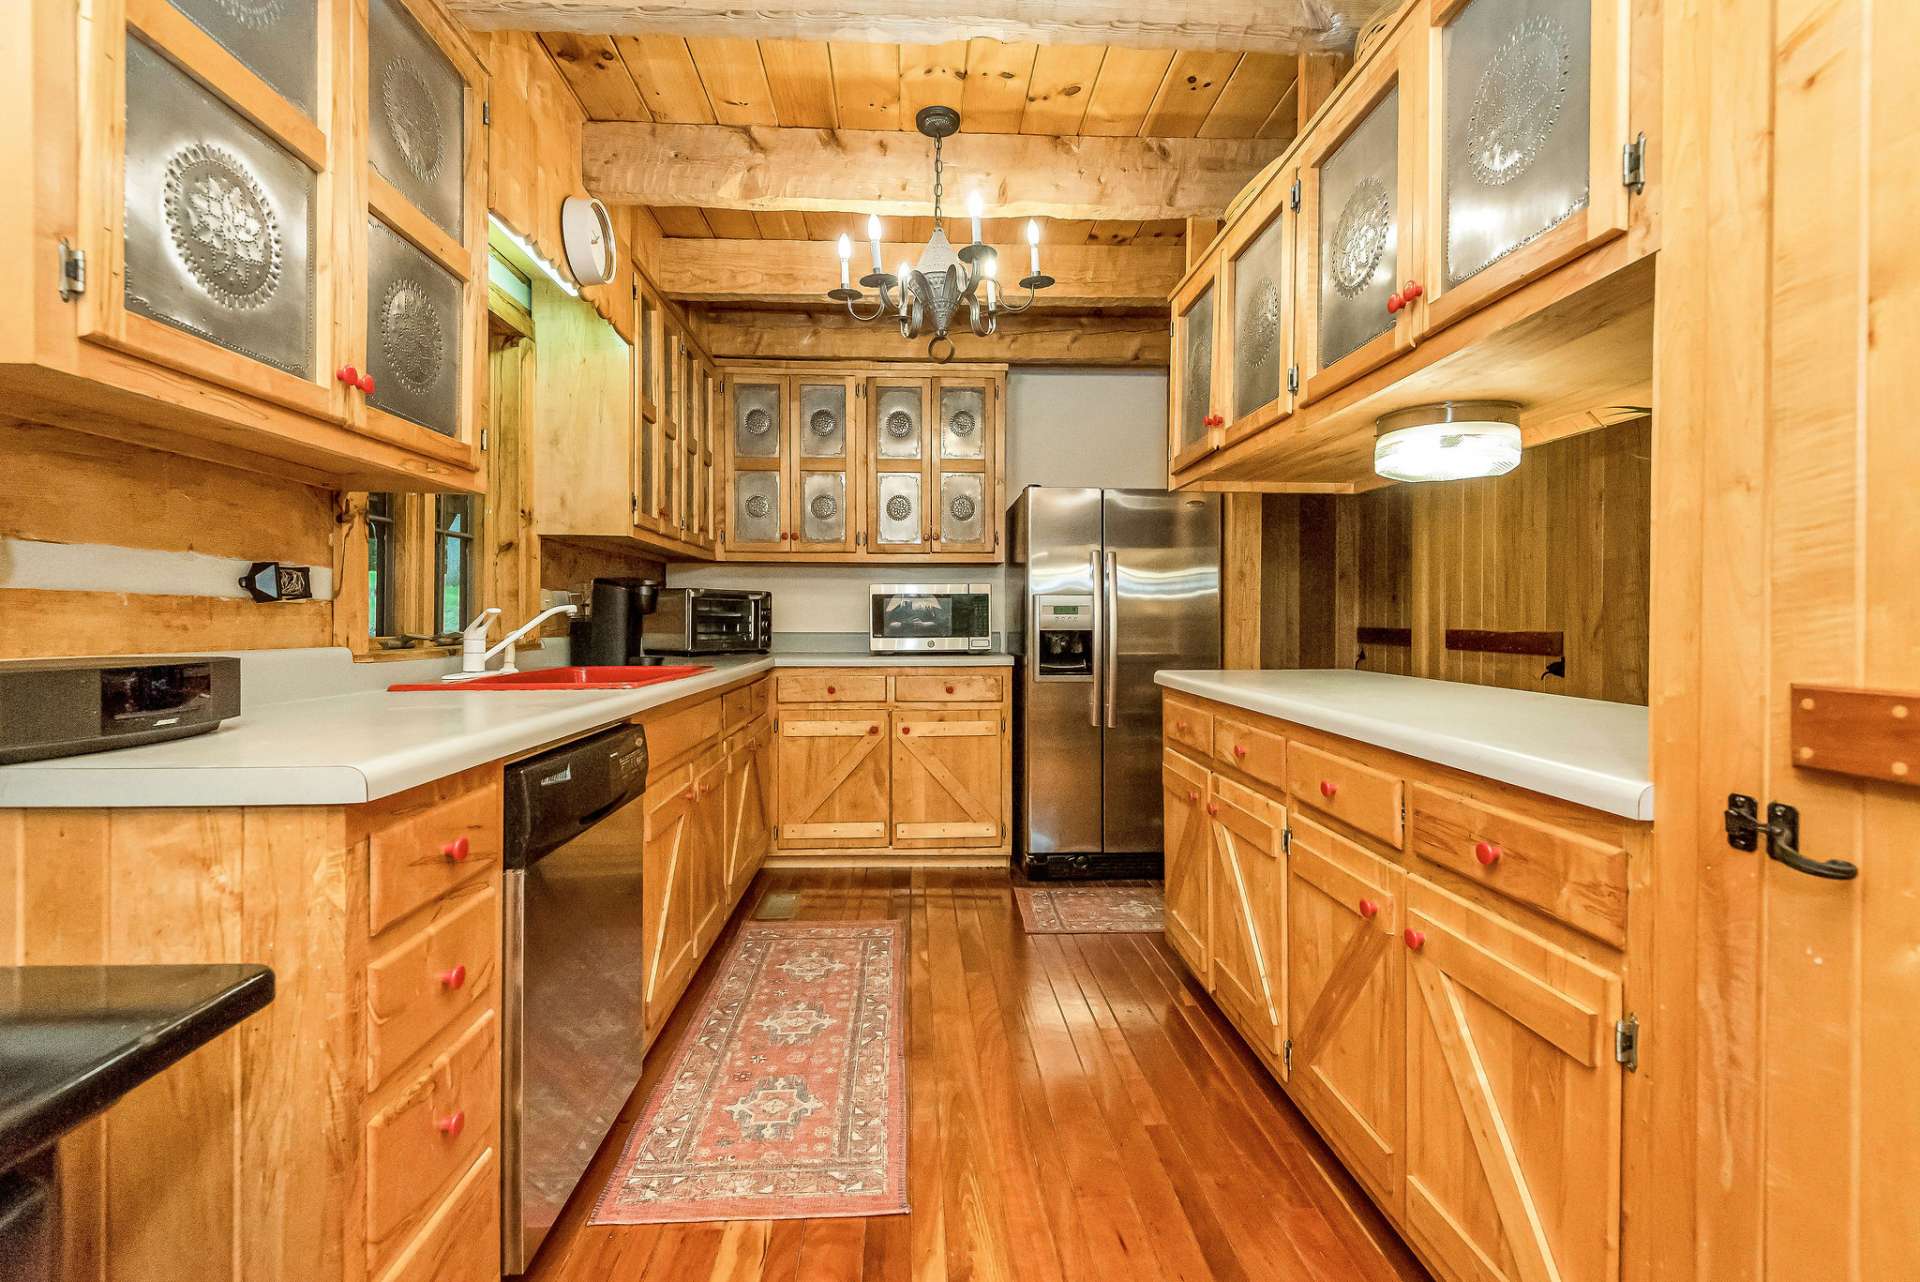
[[708, 621], [931, 618]]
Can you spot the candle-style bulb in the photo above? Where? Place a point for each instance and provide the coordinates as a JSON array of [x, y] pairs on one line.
[[846, 256], [974, 208], [1033, 245], [873, 239]]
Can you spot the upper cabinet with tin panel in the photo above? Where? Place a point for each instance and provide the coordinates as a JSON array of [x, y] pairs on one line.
[[273, 243], [1194, 420]]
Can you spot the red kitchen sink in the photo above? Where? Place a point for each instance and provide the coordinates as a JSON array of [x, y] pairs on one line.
[[566, 679]]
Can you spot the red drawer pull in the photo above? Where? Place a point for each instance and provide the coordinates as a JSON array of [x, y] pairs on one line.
[[906, 729], [1192, 795], [949, 689], [1487, 853], [691, 793], [452, 1124], [457, 850], [830, 690], [1212, 809], [366, 384], [349, 375], [1181, 726], [873, 729], [1239, 750], [1415, 938], [1328, 788], [455, 978], [1369, 909]]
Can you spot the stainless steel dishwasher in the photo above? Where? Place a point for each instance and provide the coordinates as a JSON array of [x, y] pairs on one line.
[[575, 1030]]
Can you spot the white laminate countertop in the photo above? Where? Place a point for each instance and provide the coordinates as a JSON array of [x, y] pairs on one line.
[[1580, 750], [344, 749]]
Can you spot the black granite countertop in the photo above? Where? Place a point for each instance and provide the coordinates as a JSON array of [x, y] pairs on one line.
[[73, 1039]]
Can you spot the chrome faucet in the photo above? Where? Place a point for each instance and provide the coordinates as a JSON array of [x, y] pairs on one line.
[[473, 638]]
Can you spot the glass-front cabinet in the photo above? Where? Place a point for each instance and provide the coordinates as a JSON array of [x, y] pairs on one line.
[[1196, 425], [240, 231], [960, 483], [1526, 137], [757, 440], [1255, 353], [826, 452], [901, 455]]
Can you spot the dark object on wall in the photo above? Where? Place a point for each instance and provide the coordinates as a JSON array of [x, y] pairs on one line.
[[65, 707], [272, 581], [1385, 636], [1545, 644]]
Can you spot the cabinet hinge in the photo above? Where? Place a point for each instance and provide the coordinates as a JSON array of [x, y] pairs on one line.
[[73, 272], [483, 440], [1294, 197], [1633, 165], [1286, 841], [1286, 1054], [635, 499], [486, 112], [1293, 378], [1626, 1042]]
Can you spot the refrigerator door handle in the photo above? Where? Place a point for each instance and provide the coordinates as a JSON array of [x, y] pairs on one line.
[[1111, 625], [1099, 624]]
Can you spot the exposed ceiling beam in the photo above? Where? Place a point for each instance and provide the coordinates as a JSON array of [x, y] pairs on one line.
[[1263, 26], [790, 271], [1033, 339], [891, 173]]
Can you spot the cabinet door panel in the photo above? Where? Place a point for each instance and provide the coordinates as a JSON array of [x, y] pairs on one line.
[[833, 777], [963, 511], [898, 518], [1261, 285], [1249, 911], [413, 333], [416, 127], [667, 925], [1513, 1100], [757, 419], [709, 853], [749, 818], [1183, 785], [963, 422], [220, 220], [1359, 233], [899, 425], [823, 420], [1345, 992], [1194, 436], [946, 778], [278, 42], [823, 508]]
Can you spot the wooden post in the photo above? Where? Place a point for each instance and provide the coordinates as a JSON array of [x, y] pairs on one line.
[[1200, 234], [1318, 76], [1240, 574]]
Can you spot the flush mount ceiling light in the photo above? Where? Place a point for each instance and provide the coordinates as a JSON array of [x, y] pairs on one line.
[[930, 296], [1450, 441]]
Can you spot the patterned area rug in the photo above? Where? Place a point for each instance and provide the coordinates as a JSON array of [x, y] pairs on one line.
[[1112, 908], [787, 1098]]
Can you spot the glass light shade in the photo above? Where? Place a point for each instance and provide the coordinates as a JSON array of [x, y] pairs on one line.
[[1453, 441]]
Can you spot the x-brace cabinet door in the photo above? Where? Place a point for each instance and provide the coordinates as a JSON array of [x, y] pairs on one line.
[[946, 778], [833, 778]]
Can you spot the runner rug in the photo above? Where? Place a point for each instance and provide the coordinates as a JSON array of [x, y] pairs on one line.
[[1113, 908], [787, 1096]]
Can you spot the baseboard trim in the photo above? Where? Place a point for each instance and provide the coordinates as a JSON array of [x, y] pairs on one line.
[[890, 859]]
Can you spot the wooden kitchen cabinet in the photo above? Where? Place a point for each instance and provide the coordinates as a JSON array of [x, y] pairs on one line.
[[669, 932], [708, 884], [1258, 299], [947, 777], [898, 520], [259, 256], [827, 454], [1194, 385], [1188, 863], [750, 804], [835, 776]]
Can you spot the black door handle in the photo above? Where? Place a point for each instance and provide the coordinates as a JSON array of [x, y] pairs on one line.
[[1783, 842]]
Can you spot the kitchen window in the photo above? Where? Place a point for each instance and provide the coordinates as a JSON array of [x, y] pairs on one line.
[[382, 556], [455, 519]]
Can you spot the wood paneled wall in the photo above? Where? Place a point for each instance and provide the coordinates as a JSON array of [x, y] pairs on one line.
[[1559, 544]]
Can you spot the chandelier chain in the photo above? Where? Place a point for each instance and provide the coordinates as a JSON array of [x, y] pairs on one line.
[[937, 186]]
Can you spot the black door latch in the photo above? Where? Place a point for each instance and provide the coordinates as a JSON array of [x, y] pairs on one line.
[[1783, 837]]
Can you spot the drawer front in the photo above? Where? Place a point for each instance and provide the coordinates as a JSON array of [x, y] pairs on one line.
[[1357, 795], [431, 977], [743, 705], [970, 687], [1577, 878], [1186, 723], [1259, 753], [673, 735], [428, 1136], [832, 686], [426, 848], [461, 1240]]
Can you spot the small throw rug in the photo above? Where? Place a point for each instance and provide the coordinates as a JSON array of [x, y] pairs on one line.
[[1112, 908], [787, 1097]]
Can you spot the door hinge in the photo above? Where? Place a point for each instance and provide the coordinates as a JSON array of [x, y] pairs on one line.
[[73, 271], [486, 111], [1286, 1055], [1294, 198], [1633, 165], [1626, 1043], [635, 500], [1169, 329], [1293, 378], [483, 440], [1286, 841]]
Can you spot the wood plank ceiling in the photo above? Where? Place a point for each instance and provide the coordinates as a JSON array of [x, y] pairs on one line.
[[1049, 90]]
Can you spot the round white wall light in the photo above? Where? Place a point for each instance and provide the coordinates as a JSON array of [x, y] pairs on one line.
[[1450, 441], [586, 233]]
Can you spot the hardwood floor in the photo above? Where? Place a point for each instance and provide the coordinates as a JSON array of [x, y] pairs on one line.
[[1078, 1111]]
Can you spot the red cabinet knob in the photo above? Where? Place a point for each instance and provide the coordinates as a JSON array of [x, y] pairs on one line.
[[1415, 938], [457, 850], [1212, 809], [1328, 788], [1395, 301], [906, 729], [1487, 853], [1412, 289], [455, 978], [452, 1124], [1239, 749], [949, 689], [830, 689], [1181, 726], [1192, 795], [349, 375], [366, 384], [1369, 909], [873, 729], [690, 794]]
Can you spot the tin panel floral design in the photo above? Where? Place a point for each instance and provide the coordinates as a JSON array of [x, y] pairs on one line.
[[416, 102]]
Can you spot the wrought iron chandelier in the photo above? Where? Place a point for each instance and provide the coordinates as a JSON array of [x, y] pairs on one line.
[[926, 298]]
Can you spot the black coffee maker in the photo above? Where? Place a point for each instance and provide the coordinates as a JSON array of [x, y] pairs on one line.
[[609, 636]]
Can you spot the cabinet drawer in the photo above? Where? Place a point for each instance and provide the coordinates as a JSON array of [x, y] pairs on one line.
[[1574, 877], [423, 846], [832, 687], [434, 975], [429, 1135], [461, 1240], [1359, 796], [673, 735], [1260, 753], [971, 687], [1186, 723], [743, 705]]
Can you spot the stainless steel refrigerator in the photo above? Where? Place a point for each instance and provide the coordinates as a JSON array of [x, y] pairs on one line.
[[1111, 586]]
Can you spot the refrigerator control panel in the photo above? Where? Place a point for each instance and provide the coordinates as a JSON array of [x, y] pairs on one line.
[[1063, 635]]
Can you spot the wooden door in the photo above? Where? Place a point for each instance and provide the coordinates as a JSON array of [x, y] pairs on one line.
[[647, 436], [1346, 989], [1194, 388], [756, 451], [898, 453], [947, 777], [1523, 143], [1189, 857], [1257, 302], [1248, 895], [750, 806], [1360, 216], [708, 842], [833, 776], [826, 447], [960, 488], [666, 894], [1513, 1100]]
